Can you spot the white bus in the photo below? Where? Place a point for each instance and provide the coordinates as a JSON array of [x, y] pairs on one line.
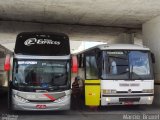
[[117, 74], [40, 77]]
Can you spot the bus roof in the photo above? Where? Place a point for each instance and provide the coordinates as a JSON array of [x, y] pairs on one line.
[[116, 47], [122, 47], [42, 43]]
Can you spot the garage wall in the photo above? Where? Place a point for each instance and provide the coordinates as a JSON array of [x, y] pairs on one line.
[[151, 38], [9, 30]]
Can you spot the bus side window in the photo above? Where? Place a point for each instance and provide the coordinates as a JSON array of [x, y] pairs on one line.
[[91, 67], [81, 60], [153, 58], [2, 54], [99, 63]]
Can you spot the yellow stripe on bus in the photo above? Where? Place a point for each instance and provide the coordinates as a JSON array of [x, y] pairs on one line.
[[92, 92], [92, 81]]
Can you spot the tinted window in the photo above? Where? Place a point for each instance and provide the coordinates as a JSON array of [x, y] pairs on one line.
[[91, 68], [139, 64], [42, 44], [115, 65], [40, 74]]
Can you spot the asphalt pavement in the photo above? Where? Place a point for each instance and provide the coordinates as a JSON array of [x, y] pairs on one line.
[[151, 112]]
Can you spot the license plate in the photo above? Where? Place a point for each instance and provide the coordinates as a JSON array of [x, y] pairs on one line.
[[41, 106]]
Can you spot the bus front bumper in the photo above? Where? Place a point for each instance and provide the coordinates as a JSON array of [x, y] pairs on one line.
[[127, 100], [41, 106]]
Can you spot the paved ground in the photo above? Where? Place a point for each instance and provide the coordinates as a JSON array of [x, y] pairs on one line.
[[108, 113]]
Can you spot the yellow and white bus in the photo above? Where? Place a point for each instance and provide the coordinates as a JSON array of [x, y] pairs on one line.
[[117, 74]]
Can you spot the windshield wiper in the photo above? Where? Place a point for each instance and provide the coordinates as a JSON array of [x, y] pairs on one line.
[[124, 72], [58, 87], [55, 87], [137, 76]]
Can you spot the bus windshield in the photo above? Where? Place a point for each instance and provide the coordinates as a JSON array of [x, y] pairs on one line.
[[32, 75], [126, 65]]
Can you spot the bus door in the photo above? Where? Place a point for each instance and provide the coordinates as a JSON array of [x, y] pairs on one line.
[[92, 82]]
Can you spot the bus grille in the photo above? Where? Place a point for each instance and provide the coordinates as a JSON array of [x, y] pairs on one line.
[[129, 99]]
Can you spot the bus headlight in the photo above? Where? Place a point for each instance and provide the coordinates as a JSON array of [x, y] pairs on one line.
[[149, 98], [148, 91], [20, 99], [109, 91], [108, 99], [113, 91]]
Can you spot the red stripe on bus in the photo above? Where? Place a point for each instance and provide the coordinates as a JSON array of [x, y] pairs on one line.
[[50, 97]]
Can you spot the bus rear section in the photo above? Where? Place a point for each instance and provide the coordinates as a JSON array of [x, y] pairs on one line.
[[3, 74], [40, 78]]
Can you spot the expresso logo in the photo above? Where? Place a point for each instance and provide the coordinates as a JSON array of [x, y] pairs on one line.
[[32, 41]]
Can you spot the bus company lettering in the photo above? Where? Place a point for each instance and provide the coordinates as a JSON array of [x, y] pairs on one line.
[[126, 84], [27, 62], [32, 41]]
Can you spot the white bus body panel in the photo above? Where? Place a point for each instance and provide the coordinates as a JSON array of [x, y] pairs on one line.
[[39, 98], [126, 89]]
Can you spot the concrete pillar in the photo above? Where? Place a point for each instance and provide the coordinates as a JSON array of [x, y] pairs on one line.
[[137, 38], [151, 38]]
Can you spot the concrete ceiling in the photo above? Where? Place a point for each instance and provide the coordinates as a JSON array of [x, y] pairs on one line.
[[118, 13]]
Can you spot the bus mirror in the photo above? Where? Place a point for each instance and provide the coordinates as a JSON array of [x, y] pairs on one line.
[[7, 65], [74, 64], [153, 58]]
